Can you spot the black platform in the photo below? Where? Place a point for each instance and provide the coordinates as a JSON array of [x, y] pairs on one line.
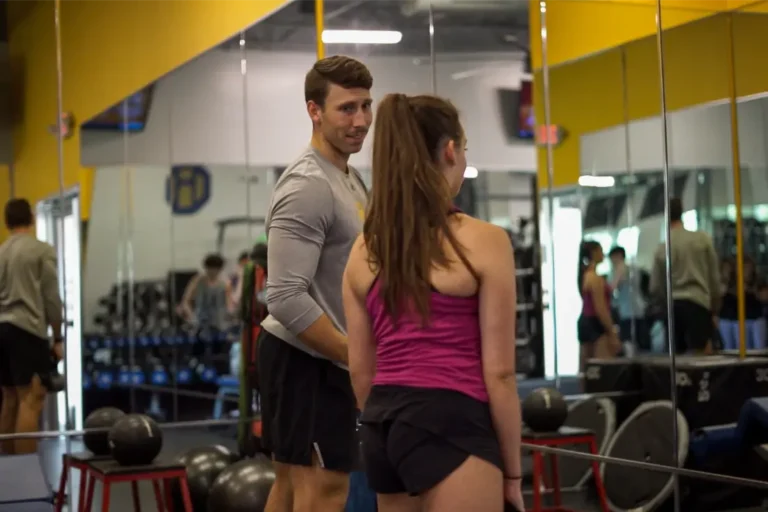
[[710, 389], [621, 375], [109, 467]]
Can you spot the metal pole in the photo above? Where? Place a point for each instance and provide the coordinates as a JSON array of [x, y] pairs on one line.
[[246, 135], [550, 179], [737, 199], [631, 193], [668, 247], [172, 256], [59, 219], [432, 52], [319, 28]]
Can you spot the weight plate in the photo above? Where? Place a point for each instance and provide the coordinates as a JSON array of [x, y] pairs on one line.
[[646, 436], [597, 415]]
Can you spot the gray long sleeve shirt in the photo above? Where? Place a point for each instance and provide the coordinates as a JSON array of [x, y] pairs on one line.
[[314, 217], [695, 269], [29, 285]]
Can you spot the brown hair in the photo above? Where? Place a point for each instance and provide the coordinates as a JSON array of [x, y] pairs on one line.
[[342, 71], [410, 200]]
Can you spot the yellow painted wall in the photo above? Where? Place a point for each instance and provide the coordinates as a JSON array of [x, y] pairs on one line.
[[586, 95], [110, 49], [579, 28]]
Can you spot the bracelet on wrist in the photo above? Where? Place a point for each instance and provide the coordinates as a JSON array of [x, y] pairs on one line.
[[507, 477]]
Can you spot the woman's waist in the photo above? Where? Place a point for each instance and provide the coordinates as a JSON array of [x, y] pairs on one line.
[[436, 409]]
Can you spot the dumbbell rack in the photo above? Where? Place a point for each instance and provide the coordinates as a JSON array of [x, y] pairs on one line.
[[154, 366]]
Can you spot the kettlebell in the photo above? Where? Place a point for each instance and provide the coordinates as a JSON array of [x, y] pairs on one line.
[[53, 381]]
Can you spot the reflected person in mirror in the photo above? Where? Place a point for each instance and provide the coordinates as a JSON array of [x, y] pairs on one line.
[[30, 305], [309, 413], [597, 331], [207, 301], [696, 286]]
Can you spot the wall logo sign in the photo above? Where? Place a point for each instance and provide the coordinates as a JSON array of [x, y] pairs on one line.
[[187, 189]]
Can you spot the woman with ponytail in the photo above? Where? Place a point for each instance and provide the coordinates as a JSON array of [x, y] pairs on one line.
[[429, 296], [597, 334]]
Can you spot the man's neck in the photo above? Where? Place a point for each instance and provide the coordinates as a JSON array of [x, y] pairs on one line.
[[330, 153], [22, 231]]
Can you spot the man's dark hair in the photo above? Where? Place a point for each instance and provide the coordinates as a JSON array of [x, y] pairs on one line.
[[243, 256], [618, 251], [213, 262], [675, 210], [18, 214], [343, 71]]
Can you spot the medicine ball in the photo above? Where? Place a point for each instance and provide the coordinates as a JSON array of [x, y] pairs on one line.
[[545, 410], [203, 465], [242, 487], [135, 440], [104, 418]]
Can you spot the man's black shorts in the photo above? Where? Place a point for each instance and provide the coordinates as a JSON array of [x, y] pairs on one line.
[[694, 326], [307, 407], [22, 355], [415, 438]]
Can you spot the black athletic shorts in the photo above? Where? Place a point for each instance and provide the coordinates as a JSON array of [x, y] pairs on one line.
[[22, 355], [412, 439], [589, 329], [307, 406], [693, 326]]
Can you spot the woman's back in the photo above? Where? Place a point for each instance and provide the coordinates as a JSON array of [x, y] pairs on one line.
[[445, 352]]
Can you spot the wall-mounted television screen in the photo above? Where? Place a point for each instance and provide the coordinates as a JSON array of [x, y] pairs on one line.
[[526, 125], [130, 115]]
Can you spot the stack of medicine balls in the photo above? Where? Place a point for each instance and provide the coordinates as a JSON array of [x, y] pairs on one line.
[[218, 480], [130, 439]]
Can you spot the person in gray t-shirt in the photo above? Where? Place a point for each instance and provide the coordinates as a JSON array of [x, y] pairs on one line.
[[316, 212], [30, 305]]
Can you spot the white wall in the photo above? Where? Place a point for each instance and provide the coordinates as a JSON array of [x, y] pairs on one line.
[[199, 111], [161, 242]]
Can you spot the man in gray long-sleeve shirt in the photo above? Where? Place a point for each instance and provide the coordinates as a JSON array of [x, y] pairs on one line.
[[29, 305], [316, 213], [695, 284]]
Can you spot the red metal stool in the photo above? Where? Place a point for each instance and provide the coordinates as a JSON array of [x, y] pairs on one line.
[[74, 461], [565, 436], [108, 472]]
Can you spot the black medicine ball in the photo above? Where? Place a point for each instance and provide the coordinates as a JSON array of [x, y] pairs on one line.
[[545, 410]]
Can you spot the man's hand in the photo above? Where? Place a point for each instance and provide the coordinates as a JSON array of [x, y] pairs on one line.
[[58, 350]]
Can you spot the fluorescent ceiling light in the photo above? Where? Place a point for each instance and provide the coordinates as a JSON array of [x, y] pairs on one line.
[[362, 36], [470, 172], [597, 181]]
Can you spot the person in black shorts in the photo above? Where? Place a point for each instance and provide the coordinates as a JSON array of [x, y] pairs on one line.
[[596, 326], [308, 408], [431, 344], [696, 284], [29, 305]]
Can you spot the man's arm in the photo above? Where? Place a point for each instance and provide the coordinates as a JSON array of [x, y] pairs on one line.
[[657, 287], [49, 287], [300, 218], [714, 278]]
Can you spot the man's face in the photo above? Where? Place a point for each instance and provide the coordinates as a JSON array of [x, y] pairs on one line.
[[617, 260], [345, 119]]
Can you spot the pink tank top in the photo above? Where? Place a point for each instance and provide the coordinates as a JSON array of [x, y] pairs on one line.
[[588, 304], [443, 355]]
